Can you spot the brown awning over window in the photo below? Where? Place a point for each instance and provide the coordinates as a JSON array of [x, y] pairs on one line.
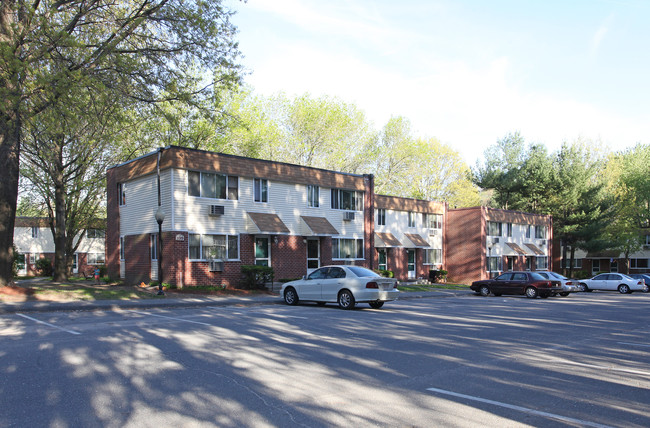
[[417, 240], [268, 223], [535, 249], [388, 240], [320, 225], [516, 248]]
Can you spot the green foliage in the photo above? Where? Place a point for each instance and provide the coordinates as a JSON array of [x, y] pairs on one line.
[[386, 273], [438, 275], [44, 266], [255, 277]]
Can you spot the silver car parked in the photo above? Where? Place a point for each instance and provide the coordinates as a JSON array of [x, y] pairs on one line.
[[612, 282]]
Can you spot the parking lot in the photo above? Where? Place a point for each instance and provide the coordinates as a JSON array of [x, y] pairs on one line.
[[465, 360]]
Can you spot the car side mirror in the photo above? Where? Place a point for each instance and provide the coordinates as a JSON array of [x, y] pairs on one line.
[[304, 277]]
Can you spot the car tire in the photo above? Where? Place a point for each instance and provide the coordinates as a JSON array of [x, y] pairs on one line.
[[584, 287], [531, 292], [564, 294], [484, 291], [291, 296], [624, 289], [346, 299], [376, 304]]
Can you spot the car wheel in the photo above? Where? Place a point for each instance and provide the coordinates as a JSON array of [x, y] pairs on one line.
[[346, 299], [583, 287], [484, 290], [291, 297], [376, 304], [531, 292], [624, 289], [564, 294]]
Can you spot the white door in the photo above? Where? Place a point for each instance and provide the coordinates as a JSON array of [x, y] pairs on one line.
[[410, 255]]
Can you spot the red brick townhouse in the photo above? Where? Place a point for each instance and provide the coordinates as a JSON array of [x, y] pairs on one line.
[[34, 240], [483, 241], [223, 211], [409, 236]]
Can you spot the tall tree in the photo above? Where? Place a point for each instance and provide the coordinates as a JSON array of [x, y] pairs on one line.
[[133, 49]]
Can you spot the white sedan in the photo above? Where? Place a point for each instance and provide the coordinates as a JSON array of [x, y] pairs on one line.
[[612, 281], [345, 285]]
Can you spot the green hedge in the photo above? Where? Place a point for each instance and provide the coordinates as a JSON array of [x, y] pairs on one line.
[[255, 277]]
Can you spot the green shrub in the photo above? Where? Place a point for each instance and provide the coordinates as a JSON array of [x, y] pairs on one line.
[[386, 273], [44, 267], [254, 276], [438, 275]]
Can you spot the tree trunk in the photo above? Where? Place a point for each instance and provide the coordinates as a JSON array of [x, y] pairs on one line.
[[9, 165], [60, 265]]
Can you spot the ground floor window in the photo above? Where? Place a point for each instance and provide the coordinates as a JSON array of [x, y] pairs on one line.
[[541, 263], [96, 259], [638, 263], [220, 247], [347, 248], [494, 264], [433, 256], [577, 263], [75, 265]]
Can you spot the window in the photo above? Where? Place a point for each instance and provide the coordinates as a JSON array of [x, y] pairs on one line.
[[121, 193], [382, 259], [96, 233], [34, 232], [541, 263], [222, 247], [32, 258], [350, 200], [540, 232], [577, 263], [313, 196], [121, 248], [509, 230], [647, 240], [210, 185], [411, 219], [494, 228], [347, 248], [96, 259], [528, 227], [261, 188], [154, 246], [381, 217], [510, 260], [433, 257], [638, 263], [433, 221], [494, 264]]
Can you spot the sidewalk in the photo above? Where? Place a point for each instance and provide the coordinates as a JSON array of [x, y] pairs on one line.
[[184, 302]]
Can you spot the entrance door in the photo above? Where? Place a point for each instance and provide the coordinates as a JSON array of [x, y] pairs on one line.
[[20, 264], [313, 255], [262, 255], [75, 263], [613, 266], [382, 259], [410, 255]]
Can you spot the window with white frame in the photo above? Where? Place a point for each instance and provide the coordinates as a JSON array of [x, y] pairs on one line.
[[528, 228], [96, 259], [154, 246], [34, 231], [638, 263], [541, 263], [343, 248], [33, 257], [381, 216], [433, 221], [122, 248], [261, 190], [96, 233], [540, 232], [411, 219], [349, 200], [222, 247], [494, 264], [433, 256], [509, 230], [212, 185], [577, 263], [647, 240], [121, 193], [313, 196], [494, 228]]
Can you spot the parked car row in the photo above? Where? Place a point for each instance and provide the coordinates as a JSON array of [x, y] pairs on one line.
[[545, 284]]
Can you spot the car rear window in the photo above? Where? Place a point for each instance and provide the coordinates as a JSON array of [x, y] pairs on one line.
[[536, 276], [362, 272]]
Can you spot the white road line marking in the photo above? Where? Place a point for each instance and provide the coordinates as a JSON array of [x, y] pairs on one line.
[[48, 324], [173, 318], [634, 344], [520, 409]]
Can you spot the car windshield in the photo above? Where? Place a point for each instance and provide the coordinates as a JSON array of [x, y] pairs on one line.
[[536, 276], [362, 272]]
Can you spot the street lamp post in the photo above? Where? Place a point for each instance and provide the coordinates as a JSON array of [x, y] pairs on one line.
[[490, 261], [160, 217]]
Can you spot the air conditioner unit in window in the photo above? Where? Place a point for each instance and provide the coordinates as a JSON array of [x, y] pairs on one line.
[[216, 210], [434, 232], [348, 216], [216, 265], [495, 240], [542, 242]]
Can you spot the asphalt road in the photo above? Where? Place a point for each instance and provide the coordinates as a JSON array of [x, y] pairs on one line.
[[455, 361]]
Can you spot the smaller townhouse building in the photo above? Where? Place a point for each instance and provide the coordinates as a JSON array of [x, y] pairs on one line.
[[34, 240], [409, 236], [223, 211], [483, 242]]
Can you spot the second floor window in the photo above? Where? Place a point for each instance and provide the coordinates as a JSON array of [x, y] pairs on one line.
[[509, 229], [121, 193], [209, 185], [381, 217], [34, 232], [313, 196], [350, 200], [95, 233], [261, 188], [540, 232], [411, 219], [494, 228], [433, 221]]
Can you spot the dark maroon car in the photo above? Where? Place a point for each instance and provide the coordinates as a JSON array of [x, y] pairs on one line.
[[529, 283]]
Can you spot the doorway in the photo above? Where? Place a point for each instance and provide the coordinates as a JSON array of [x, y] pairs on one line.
[[410, 256], [262, 253], [313, 255]]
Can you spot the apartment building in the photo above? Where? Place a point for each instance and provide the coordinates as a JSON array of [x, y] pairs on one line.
[[409, 236], [484, 242], [34, 240], [223, 211]]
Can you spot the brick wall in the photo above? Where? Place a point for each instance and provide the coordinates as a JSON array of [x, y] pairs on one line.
[[289, 257], [112, 226], [137, 259], [464, 245]]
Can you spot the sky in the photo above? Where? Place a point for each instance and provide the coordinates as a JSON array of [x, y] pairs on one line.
[[467, 72]]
